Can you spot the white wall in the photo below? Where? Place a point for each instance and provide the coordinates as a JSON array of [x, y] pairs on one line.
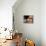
[[31, 31], [43, 22], [6, 13]]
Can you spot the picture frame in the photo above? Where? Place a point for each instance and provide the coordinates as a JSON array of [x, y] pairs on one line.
[[28, 19]]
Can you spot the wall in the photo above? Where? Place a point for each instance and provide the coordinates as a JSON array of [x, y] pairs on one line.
[[43, 22], [30, 31], [6, 13]]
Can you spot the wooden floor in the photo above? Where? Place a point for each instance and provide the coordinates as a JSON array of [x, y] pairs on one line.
[[9, 43]]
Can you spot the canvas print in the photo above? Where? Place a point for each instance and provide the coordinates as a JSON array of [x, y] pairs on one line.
[[28, 18]]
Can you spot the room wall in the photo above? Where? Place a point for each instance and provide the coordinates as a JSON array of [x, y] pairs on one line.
[[43, 22], [30, 31]]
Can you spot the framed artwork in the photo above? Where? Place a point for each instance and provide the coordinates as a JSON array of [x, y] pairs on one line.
[[28, 18]]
